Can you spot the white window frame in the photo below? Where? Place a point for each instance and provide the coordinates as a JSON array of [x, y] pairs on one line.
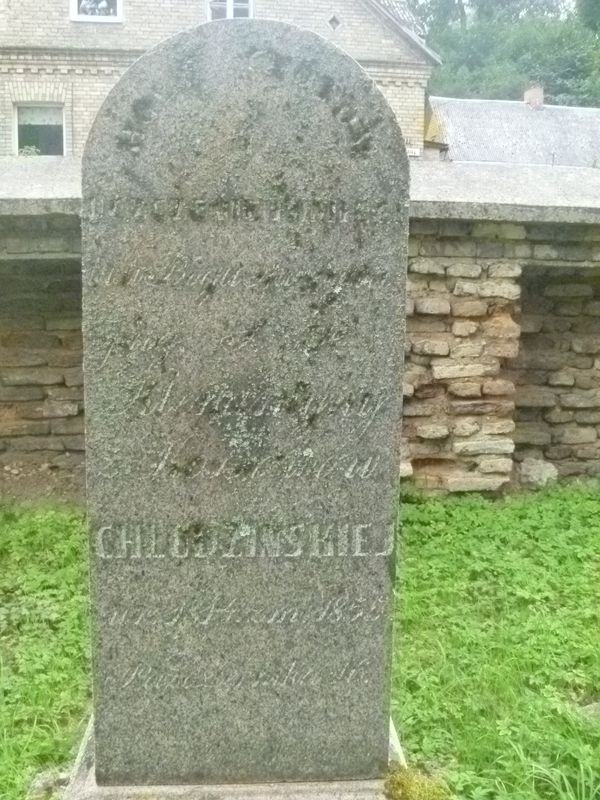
[[229, 11], [34, 104], [76, 17]]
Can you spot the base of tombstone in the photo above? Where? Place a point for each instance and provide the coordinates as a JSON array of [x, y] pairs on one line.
[[82, 785]]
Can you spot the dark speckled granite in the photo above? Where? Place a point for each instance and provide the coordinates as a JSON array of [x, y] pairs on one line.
[[245, 223]]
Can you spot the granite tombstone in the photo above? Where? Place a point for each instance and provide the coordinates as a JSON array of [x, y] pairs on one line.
[[245, 229]]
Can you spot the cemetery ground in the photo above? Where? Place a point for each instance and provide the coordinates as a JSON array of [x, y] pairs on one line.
[[498, 653]]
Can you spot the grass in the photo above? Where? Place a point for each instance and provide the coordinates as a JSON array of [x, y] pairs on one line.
[[499, 616], [43, 642]]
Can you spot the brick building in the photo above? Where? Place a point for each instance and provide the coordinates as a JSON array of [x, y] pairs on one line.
[[502, 381], [58, 60]]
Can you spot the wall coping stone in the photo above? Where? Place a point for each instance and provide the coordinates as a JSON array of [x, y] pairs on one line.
[[467, 191]]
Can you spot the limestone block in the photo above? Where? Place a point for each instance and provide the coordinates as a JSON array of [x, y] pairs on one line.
[[496, 427], [498, 387], [426, 266], [23, 427], [558, 452], [68, 427], [536, 433], [587, 417], [561, 378], [33, 443], [464, 328], [432, 305], [592, 308], [574, 434], [473, 482], [491, 446], [589, 451], [537, 472], [503, 348], [531, 323], [410, 306], [504, 289], [465, 389], [581, 399], [33, 376], [586, 344], [488, 465], [535, 397], [569, 309], [60, 408], [466, 307], [505, 269], [11, 394], [465, 427], [465, 270], [556, 416], [437, 285], [408, 389], [466, 408], [467, 350], [466, 289], [63, 324], [415, 408], [426, 325], [433, 431], [446, 371], [406, 469], [73, 377], [562, 290], [430, 346], [501, 326]]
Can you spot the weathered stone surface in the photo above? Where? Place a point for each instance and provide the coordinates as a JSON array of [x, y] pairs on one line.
[[464, 328], [561, 290], [466, 307], [433, 431], [473, 482], [432, 305], [535, 397], [491, 446], [245, 225], [581, 399], [574, 434], [537, 472], [533, 433], [447, 369], [498, 387], [490, 466]]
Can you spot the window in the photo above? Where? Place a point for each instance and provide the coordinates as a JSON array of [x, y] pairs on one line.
[[97, 10], [229, 9], [40, 130]]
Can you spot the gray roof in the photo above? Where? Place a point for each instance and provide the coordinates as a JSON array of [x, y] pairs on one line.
[[511, 132], [503, 192], [400, 10]]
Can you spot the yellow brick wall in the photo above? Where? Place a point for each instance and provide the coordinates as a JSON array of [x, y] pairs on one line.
[[94, 55]]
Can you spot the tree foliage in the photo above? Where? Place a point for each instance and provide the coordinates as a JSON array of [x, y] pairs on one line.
[[589, 12], [494, 49]]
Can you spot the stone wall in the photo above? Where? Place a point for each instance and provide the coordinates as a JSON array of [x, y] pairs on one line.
[[502, 380], [557, 372], [41, 379], [501, 388]]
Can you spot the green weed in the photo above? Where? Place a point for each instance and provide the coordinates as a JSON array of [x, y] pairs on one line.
[[43, 642], [499, 643]]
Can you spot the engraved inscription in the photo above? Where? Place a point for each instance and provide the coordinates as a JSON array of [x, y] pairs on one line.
[[202, 612], [235, 540], [174, 675]]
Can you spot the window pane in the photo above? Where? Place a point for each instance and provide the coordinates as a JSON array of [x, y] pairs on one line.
[[40, 115], [40, 130], [241, 12], [218, 9], [97, 8], [42, 140]]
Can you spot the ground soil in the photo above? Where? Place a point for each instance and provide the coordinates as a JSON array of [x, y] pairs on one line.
[[44, 483]]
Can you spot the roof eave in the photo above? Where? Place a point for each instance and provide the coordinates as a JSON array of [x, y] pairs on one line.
[[406, 32]]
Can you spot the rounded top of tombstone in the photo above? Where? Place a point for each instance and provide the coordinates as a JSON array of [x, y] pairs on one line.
[[222, 77]]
